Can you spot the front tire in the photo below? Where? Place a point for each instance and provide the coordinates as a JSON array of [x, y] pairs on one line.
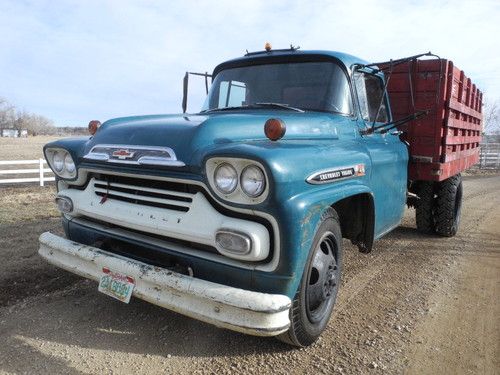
[[317, 293]]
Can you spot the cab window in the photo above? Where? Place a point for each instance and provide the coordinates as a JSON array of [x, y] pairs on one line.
[[232, 94], [370, 91]]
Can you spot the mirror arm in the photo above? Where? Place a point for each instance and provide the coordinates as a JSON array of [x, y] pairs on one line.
[[185, 87], [185, 92]]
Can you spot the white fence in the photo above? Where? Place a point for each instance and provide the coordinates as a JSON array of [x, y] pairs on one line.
[[489, 158], [40, 171]]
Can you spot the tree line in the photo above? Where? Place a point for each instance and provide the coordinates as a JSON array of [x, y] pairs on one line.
[[13, 118]]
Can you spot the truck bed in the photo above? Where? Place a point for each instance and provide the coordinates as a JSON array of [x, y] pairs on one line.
[[445, 141]]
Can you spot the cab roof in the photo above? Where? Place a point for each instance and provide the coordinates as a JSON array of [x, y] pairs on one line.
[[283, 55]]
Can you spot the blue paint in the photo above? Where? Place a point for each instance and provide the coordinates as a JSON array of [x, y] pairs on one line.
[[314, 141]]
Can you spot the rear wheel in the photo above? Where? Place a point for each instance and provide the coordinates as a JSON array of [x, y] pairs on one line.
[[448, 206], [424, 207], [315, 298]]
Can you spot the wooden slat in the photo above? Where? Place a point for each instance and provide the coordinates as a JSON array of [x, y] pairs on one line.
[[462, 108], [461, 139]]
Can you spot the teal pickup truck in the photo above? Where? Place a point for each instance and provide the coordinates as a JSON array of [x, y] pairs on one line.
[[235, 215]]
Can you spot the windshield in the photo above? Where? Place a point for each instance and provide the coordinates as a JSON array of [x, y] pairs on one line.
[[315, 86]]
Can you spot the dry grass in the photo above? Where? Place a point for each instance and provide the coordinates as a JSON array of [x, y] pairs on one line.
[[23, 148], [25, 203]]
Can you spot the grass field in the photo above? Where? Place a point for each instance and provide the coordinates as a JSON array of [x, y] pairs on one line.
[[23, 148], [25, 202]]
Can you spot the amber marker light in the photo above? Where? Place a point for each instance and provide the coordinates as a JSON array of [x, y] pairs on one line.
[[268, 47], [93, 126], [274, 129]]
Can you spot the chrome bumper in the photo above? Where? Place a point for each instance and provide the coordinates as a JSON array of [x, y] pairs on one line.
[[254, 313]]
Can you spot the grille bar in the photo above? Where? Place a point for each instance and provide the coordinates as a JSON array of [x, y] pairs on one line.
[[140, 197], [146, 189], [169, 199]]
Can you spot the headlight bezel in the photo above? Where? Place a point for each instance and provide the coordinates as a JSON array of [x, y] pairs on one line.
[[237, 195], [64, 173]]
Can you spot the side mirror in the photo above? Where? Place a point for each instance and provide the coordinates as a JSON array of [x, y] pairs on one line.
[[185, 84]]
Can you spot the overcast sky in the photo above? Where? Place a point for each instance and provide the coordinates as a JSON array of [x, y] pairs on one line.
[[74, 61]]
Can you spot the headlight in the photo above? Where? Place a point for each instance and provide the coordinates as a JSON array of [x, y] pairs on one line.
[[226, 178], [58, 161], [69, 164], [238, 180], [253, 181], [61, 162]]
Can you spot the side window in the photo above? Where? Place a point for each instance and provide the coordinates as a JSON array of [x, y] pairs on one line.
[[370, 90], [232, 94]]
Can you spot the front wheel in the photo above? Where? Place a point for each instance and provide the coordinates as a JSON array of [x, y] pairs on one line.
[[315, 298]]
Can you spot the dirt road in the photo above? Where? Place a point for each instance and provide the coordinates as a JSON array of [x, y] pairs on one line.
[[416, 304]]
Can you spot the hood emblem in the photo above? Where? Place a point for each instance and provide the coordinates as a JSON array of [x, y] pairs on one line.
[[123, 154]]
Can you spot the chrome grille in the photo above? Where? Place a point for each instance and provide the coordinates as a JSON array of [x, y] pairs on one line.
[[137, 192]]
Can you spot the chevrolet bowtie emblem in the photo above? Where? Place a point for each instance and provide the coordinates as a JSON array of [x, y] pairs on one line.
[[123, 154]]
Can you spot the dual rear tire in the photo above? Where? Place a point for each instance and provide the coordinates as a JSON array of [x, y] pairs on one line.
[[439, 205]]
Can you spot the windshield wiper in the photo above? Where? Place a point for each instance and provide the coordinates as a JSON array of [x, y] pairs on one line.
[[255, 105], [223, 109], [277, 105]]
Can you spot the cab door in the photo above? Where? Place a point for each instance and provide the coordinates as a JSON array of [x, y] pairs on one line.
[[388, 154]]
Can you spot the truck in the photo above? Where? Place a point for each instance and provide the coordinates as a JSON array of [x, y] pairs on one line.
[[236, 214]]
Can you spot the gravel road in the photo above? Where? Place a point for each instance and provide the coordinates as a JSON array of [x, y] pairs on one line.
[[416, 304]]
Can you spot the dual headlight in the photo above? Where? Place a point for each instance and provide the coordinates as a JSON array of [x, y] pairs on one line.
[[252, 180], [61, 162], [239, 180]]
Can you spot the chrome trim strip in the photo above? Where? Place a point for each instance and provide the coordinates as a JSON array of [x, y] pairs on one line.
[[155, 160]]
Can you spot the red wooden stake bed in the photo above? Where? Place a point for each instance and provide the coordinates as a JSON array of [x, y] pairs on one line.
[[446, 141]]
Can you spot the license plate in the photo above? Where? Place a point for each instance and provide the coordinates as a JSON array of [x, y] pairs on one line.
[[116, 285]]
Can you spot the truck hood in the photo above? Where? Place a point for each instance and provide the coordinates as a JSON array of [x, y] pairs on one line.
[[186, 134]]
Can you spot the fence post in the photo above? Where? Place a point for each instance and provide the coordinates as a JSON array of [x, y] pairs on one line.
[[41, 172]]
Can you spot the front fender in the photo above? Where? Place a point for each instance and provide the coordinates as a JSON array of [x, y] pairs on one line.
[[299, 219]]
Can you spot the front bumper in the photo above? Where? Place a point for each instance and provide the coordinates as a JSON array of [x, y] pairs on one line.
[[254, 313]]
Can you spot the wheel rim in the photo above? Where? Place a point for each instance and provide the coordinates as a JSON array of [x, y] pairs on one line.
[[322, 278]]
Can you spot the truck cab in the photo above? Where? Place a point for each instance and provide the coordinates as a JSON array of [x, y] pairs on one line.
[[235, 215]]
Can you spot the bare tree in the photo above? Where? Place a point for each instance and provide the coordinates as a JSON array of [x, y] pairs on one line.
[[34, 124], [6, 113], [491, 117]]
